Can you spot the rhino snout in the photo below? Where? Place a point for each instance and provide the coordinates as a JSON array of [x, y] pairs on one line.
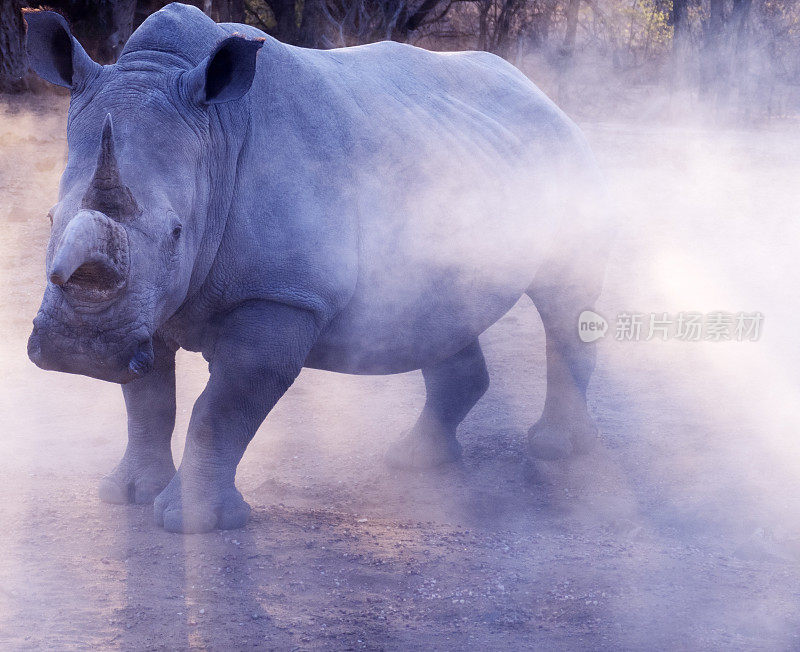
[[51, 349], [91, 259]]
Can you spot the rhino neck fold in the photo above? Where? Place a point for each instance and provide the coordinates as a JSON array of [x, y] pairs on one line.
[[229, 129]]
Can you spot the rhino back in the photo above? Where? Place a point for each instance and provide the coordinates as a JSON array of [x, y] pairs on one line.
[[418, 186], [180, 30], [405, 197]]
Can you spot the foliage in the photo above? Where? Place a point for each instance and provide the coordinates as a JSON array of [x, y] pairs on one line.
[[722, 49]]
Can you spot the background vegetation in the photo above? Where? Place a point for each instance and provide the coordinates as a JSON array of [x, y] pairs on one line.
[[738, 57]]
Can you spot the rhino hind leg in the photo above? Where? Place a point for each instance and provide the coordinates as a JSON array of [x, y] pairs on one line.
[[452, 387], [560, 293]]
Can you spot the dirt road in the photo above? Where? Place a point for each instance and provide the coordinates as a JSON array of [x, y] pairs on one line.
[[679, 531]]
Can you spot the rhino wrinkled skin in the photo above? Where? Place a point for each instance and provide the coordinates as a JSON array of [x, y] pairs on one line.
[[363, 210]]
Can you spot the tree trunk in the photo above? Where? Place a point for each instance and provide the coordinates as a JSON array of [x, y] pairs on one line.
[[13, 62], [502, 28], [123, 13], [286, 20], [564, 61], [409, 22], [739, 16], [680, 40], [680, 25], [572, 28], [228, 11], [714, 62], [743, 78], [311, 24], [716, 18], [483, 24]]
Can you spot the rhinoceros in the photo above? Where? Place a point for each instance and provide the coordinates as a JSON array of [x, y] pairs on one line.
[[364, 210]]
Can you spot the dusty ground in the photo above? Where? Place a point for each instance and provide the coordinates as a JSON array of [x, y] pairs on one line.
[[680, 531]]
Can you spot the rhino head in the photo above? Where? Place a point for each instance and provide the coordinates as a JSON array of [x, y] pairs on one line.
[[134, 197]]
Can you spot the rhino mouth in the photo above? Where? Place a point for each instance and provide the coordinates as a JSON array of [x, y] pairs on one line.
[[95, 278], [93, 287]]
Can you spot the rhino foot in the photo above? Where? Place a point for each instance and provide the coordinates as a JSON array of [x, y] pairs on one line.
[[136, 480], [190, 507], [559, 439], [420, 450]]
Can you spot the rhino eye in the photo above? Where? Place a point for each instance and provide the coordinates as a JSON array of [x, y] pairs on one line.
[[176, 231]]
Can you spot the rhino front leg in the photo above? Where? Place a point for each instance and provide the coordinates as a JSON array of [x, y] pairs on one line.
[[260, 350], [147, 465]]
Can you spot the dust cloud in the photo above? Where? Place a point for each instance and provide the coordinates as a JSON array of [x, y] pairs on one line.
[[682, 529]]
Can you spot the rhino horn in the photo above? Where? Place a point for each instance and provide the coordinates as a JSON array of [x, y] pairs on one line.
[[106, 192], [92, 252]]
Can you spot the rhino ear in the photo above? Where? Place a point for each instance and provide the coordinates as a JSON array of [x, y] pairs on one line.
[[53, 53], [227, 74]]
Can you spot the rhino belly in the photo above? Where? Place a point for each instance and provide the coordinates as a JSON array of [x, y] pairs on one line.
[[398, 333], [423, 296]]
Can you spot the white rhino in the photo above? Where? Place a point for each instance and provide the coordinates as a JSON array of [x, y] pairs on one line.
[[366, 210]]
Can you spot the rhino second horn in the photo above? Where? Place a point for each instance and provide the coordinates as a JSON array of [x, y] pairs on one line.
[[90, 237]]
